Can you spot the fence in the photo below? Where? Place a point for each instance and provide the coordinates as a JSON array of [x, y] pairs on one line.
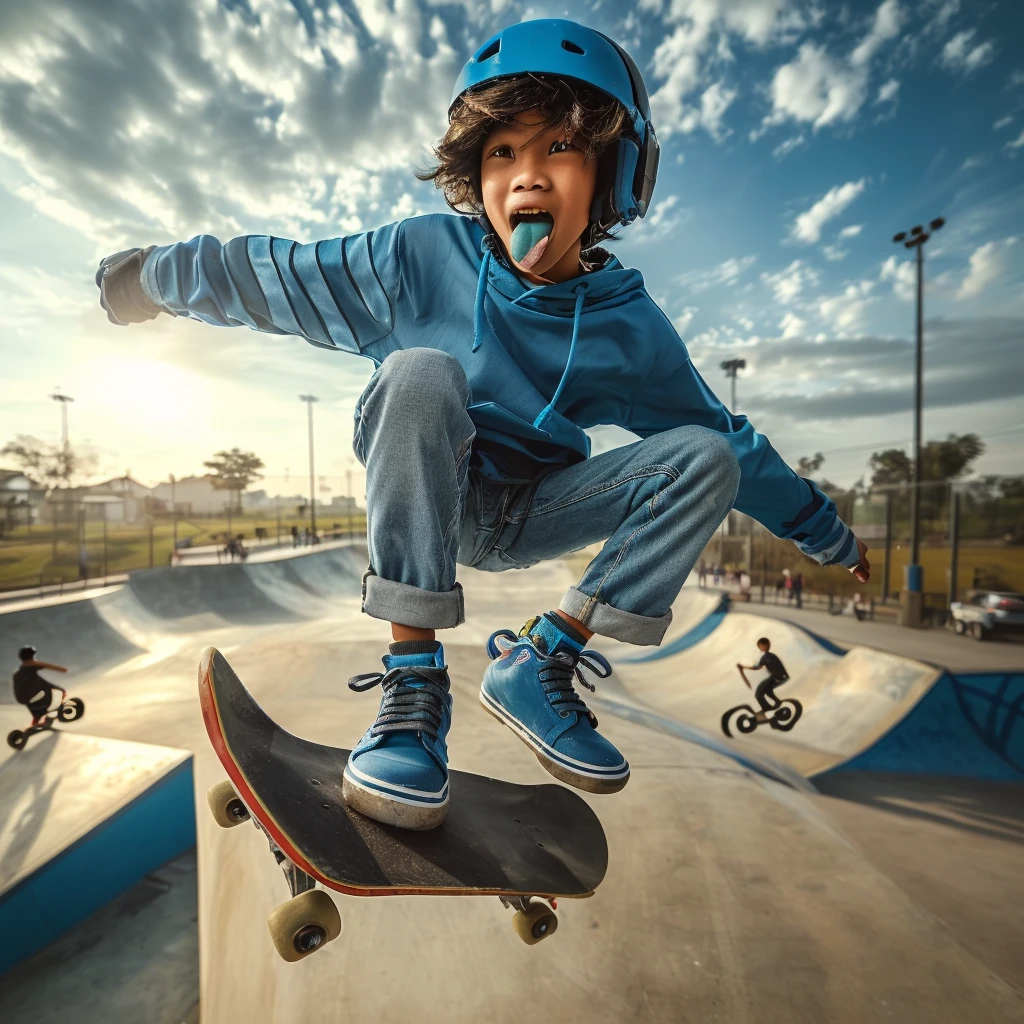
[[79, 542], [971, 537]]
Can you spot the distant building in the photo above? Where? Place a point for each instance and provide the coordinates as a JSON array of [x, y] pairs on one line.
[[121, 499], [342, 505], [21, 499], [194, 495]]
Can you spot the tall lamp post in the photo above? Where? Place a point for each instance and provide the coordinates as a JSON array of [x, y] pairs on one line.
[[57, 396], [309, 400], [913, 581], [732, 367]]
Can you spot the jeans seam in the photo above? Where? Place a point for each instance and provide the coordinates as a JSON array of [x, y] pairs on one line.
[[622, 549], [455, 519], [649, 471]]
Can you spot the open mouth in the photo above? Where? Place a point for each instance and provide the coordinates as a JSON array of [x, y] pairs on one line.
[[531, 229]]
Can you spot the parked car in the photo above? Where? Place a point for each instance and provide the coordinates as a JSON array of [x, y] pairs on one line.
[[988, 613]]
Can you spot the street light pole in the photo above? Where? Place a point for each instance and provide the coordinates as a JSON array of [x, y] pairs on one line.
[[57, 396], [914, 576], [731, 367], [309, 400]]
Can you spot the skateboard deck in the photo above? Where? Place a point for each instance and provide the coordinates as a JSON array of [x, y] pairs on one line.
[[498, 838]]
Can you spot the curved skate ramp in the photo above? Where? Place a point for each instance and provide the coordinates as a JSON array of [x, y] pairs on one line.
[[864, 709], [91, 632]]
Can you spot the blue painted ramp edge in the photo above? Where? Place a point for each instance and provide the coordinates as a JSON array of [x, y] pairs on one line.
[[969, 725], [155, 827]]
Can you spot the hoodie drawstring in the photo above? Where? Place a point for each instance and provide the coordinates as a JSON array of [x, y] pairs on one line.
[[580, 291], [481, 295]]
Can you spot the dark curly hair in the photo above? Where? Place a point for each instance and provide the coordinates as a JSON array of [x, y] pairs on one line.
[[591, 119]]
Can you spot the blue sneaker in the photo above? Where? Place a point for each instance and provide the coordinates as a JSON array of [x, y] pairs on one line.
[[398, 771], [529, 687]]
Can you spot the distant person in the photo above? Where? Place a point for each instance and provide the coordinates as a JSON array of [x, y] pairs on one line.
[[798, 589], [859, 607], [780, 588], [240, 548], [30, 688], [702, 575], [745, 583], [787, 583], [295, 536], [777, 675]]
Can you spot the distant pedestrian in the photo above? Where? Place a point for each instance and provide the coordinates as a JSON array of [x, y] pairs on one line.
[[780, 587], [702, 575], [787, 583], [798, 589], [745, 583], [295, 536]]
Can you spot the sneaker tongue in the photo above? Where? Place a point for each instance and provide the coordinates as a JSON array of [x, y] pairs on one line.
[[526, 234]]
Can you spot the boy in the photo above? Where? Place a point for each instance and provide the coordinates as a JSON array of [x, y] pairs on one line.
[[497, 339], [777, 675], [30, 688]]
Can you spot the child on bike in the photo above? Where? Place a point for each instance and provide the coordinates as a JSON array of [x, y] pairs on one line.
[[777, 675], [499, 335], [30, 688]]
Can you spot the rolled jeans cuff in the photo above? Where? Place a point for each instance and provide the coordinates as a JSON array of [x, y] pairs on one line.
[[411, 606], [602, 618]]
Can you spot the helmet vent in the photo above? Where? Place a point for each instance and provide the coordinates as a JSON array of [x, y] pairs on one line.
[[567, 44], [489, 51]]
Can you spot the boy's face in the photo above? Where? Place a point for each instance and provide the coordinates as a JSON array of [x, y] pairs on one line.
[[544, 173], [763, 647]]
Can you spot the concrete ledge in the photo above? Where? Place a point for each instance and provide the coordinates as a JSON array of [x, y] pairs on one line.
[[82, 819]]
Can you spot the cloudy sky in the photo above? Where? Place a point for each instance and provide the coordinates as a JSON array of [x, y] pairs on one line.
[[797, 136]]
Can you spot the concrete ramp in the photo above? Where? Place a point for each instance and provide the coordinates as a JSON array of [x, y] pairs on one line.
[[728, 897], [81, 820], [863, 708]]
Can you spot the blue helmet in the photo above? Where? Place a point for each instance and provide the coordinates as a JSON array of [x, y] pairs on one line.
[[569, 50]]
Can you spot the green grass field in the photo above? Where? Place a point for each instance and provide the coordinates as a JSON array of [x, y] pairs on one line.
[[43, 554]]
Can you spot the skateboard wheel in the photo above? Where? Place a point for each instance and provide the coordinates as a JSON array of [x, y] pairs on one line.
[[535, 923], [16, 738], [71, 710], [746, 724], [304, 924], [227, 809]]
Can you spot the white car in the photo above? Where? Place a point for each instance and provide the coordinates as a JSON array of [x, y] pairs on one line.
[[988, 613]]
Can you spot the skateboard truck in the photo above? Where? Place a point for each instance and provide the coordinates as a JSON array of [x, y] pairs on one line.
[[310, 918]]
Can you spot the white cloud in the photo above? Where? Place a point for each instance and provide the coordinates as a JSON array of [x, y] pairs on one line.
[[903, 275], [888, 19], [986, 265], [816, 88], [807, 226], [977, 160], [1017, 142], [833, 253], [727, 272], [791, 325], [1002, 122], [224, 119], [683, 320], [665, 217], [787, 147], [845, 312], [888, 92], [789, 283], [851, 231], [959, 55]]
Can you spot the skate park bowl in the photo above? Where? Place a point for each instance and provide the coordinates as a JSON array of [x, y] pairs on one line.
[[733, 893]]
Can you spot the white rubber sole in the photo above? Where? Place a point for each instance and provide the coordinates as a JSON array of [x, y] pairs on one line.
[[577, 779], [390, 809]]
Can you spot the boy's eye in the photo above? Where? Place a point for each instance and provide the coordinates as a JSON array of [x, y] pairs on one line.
[[501, 151], [561, 146]]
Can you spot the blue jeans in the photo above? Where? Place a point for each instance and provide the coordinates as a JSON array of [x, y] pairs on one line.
[[656, 503]]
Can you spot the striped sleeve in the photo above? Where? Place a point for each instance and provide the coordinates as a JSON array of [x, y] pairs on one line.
[[336, 293]]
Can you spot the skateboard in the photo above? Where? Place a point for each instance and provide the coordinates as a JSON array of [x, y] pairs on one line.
[[69, 710], [527, 845]]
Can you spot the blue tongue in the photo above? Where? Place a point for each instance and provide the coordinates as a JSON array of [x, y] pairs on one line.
[[526, 234]]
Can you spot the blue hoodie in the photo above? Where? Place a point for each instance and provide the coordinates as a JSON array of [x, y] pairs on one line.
[[543, 362]]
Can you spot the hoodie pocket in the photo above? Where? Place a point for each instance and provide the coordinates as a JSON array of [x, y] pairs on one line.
[[496, 417]]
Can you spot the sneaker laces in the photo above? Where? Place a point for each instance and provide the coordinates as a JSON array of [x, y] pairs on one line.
[[557, 672], [406, 707]]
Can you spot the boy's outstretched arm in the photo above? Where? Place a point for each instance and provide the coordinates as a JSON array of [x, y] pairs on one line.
[[770, 491], [334, 293]]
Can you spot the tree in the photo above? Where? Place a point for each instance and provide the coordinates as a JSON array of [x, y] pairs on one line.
[[941, 461], [809, 466], [52, 464], [234, 471]]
